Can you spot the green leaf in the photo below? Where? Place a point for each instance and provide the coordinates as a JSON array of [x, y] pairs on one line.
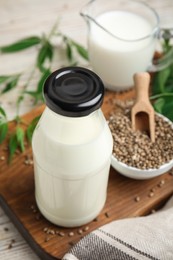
[[160, 80], [19, 100], [69, 51], [46, 52], [21, 44], [81, 50], [42, 80], [20, 134], [4, 78], [159, 104], [3, 131], [11, 84], [32, 93], [38, 95], [3, 125], [167, 109], [31, 128], [164, 106], [13, 144], [2, 112]]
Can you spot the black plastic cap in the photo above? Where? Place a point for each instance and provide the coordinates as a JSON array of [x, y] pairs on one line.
[[73, 91]]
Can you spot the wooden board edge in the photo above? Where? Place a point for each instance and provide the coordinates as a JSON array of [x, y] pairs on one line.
[[23, 231]]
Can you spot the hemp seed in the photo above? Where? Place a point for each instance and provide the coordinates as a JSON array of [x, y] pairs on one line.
[[135, 148], [45, 229], [151, 194], [52, 232], [137, 198], [86, 228], [10, 246], [79, 231], [61, 234], [153, 211], [71, 234], [47, 239], [107, 215], [161, 183], [2, 158]]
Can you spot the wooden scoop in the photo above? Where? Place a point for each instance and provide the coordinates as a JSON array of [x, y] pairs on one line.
[[142, 113]]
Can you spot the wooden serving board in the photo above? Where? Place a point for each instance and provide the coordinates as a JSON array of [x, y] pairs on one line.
[[18, 201]]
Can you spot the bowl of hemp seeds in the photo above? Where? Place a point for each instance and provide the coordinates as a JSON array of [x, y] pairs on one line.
[[134, 155]]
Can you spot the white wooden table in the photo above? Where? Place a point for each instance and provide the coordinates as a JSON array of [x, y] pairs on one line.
[[22, 18]]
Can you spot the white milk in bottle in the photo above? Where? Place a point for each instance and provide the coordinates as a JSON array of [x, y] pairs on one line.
[[125, 46], [72, 147]]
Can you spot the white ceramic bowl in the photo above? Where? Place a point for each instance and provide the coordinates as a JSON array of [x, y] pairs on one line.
[[136, 173]]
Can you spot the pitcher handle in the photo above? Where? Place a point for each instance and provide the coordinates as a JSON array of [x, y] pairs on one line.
[[167, 59]]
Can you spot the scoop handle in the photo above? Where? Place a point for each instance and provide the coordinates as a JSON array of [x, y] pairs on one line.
[[142, 81]]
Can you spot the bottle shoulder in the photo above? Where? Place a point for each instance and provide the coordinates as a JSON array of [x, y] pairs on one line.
[[70, 130]]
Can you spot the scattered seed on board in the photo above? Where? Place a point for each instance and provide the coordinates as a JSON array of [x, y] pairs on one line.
[[28, 162], [79, 231], [137, 198], [161, 183], [10, 246], [48, 231], [6, 229], [61, 234], [2, 158], [70, 234], [107, 215], [151, 194], [47, 239], [45, 229], [11, 243], [52, 232], [153, 211], [86, 228]]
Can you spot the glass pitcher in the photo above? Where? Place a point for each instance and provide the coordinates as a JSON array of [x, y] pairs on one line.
[[122, 39]]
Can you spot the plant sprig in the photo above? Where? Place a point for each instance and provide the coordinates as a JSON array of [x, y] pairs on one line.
[[42, 64], [162, 86], [21, 44], [3, 125]]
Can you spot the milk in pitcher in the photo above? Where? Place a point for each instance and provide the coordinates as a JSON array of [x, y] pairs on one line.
[[117, 51]]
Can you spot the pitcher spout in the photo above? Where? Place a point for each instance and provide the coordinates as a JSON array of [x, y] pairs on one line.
[[86, 12]]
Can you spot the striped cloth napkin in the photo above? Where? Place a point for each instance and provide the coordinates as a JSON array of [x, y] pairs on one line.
[[140, 238]]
